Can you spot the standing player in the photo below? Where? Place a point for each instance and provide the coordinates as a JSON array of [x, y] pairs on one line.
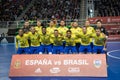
[[99, 42], [70, 41], [45, 42], [34, 41], [51, 28], [26, 27], [85, 41], [62, 29], [38, 28], [90, 30], [102, 29], [75, 31], [22, 45], [56, 39]]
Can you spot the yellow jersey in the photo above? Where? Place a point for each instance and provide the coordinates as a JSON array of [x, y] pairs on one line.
[[85, 38], [62, 30], [34, 39], [38, 29], [50, 30], [90, 30], [76, 31], [57, 41], [22, 41], [99, 40], [45, 39], [70, 41]]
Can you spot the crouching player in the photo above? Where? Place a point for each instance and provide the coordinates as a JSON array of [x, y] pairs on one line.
[[34, 41], [56, 39], [99, 42], [22, 44], [70, 42], [85, 41], [45, 46]]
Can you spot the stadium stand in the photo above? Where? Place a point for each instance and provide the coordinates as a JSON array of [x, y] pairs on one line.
[[11, 9], [60, 9], [107, 7]]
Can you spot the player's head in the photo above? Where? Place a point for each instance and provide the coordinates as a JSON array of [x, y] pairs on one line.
[[62, 23], [98, 31], [75, 24], [20, 32], [51, 23], [56, 32], [26, 24], [84, 29], [99, 23], [33, 30], [44, 30], [38, 23], [68, 33], [87, 23]]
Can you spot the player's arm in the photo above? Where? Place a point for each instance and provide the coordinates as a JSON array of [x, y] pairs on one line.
[[105, 41], [16, 43]]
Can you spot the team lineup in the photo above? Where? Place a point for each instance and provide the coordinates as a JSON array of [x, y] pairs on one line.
[[61, 40]]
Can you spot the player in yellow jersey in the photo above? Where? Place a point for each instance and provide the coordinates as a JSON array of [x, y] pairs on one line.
[[34, 41], [38, 28], [90, 30], [57, 41], [51, 28], [22, 45], [85, 41], [75, 31], [62, 29], [45, 42], [99, 42], [70, 41]]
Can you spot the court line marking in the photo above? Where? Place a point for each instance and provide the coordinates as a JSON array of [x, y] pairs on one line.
[[113, 42], [108, 53]]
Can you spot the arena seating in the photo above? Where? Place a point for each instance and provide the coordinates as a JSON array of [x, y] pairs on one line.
[[11, 9]]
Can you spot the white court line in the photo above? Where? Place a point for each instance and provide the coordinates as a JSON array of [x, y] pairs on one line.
[[113, 56], [113, 42]]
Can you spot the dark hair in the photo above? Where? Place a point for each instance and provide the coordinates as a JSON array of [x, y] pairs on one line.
[[98, 28], [69, 31], [43, 27], [99, 21], [55, 30]]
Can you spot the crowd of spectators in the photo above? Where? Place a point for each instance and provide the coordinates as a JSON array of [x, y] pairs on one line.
[[60, 9], [11, 9], [107, 7]]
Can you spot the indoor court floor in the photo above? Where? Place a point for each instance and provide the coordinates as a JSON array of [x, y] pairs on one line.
[[113, 60]]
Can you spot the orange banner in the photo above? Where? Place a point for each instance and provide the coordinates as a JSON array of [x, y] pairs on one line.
[[90, 65]]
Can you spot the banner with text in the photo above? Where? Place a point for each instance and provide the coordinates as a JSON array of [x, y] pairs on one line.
[[105, 19], [90, 65]]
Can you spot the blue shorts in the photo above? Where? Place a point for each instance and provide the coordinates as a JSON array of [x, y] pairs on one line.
[[57, 49], [85, 48], [23, 50], [34, 50], [45, 48], [70, 49], [97, 49]]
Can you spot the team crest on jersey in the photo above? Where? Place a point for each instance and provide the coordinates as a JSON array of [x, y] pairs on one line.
[[97, 63], [17, 64]]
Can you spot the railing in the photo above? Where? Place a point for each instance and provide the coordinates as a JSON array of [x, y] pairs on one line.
[[18, 24]]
